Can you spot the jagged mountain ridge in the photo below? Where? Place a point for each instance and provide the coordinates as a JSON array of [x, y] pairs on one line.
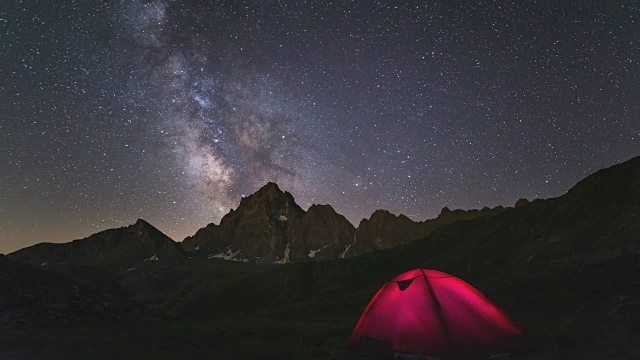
[[384, 229], [269, 226], [113, 248]]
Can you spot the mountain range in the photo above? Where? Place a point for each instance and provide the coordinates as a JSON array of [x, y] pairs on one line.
[[567, 269], [267, 227]]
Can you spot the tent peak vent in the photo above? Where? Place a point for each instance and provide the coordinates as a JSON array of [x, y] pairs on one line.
[[404, 284]]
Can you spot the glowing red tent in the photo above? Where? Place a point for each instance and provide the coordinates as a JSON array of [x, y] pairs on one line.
[[428, 312]]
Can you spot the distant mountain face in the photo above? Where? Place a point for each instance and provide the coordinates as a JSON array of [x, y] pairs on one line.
[[384, 230], [118, 248], [267, 227], [270, 227], [320, 234]]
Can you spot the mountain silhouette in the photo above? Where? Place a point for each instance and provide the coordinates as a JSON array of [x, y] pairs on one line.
[[113, 248], [268, 226], [565, 269]]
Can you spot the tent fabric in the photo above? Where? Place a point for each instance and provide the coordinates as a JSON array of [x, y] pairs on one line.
[[432, 313]]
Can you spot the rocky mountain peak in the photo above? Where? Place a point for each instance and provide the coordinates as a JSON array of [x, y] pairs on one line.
[[447, 215], [521, 203], [320, 234], [382, 230], [380, 213], [271, 191], [203, 238], [258, 228], [270, 196], [112, 248], [141, 223], [321, 209], [147, 234], [141, 226], [270, 187], [384, 216]]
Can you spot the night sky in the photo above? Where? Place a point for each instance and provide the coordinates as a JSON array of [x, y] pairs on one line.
[[171, 111]]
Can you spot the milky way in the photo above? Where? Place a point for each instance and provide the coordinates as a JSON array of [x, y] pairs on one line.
[[229, 132], [172, 111]]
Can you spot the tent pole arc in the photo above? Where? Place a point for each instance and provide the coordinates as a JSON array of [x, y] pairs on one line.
[[439, 311]]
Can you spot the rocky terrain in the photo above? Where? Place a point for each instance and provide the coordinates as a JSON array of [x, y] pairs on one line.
[[115, 249], [384, 230], [33, 295], [566, 269], [268, 226], [320, 234]]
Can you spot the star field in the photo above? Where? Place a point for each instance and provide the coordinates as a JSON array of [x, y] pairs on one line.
[[171, 111]]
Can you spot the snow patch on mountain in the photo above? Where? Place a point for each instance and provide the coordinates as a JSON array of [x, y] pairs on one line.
[[344, 253], [152, 258], [312, 253], [228, 255], [285, 259]]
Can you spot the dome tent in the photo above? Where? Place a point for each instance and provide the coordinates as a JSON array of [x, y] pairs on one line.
[[432, 314]]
